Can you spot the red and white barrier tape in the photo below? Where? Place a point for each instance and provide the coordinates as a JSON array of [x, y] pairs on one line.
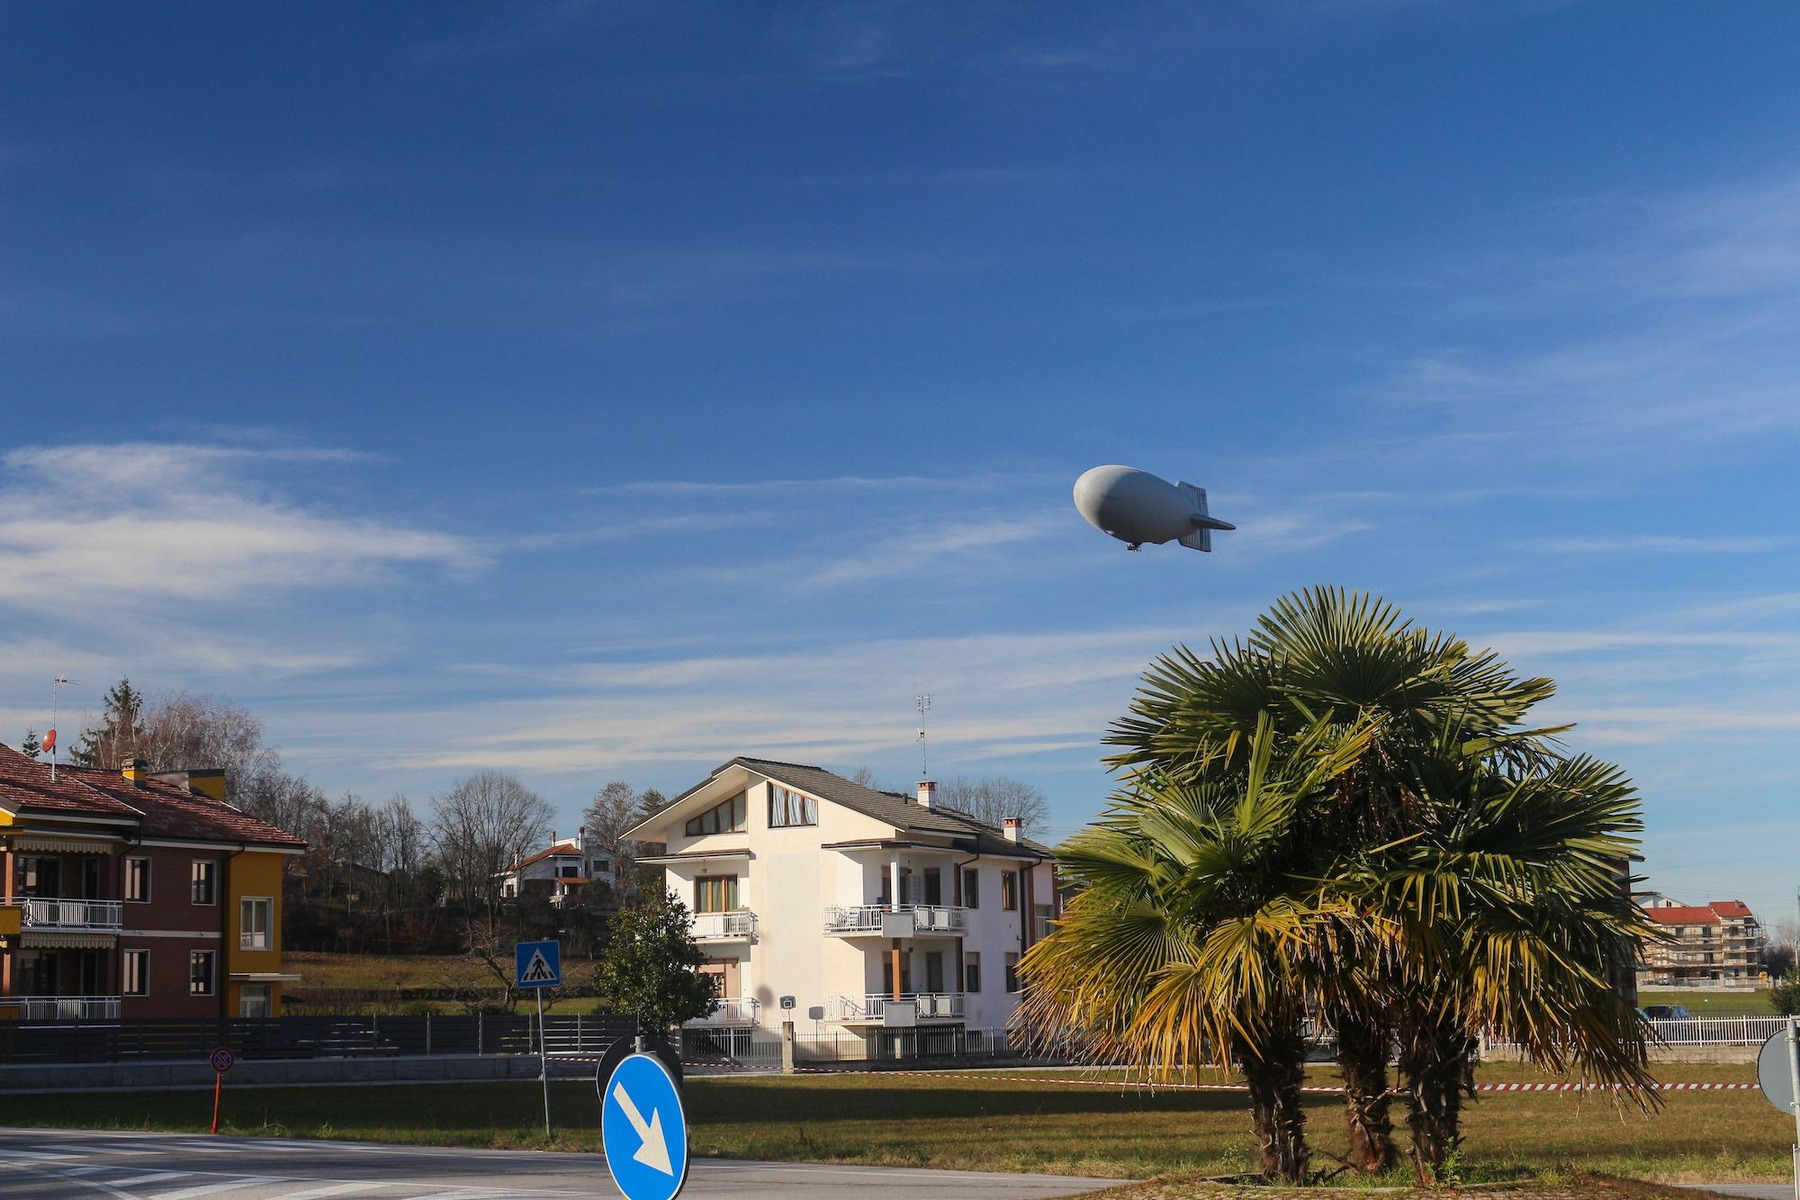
[[1137, 1085]]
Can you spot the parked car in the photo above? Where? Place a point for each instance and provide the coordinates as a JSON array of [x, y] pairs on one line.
[[1667, 1012]]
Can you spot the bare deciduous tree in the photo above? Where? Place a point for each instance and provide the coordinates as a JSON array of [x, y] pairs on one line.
[[994, 798], [614, 811], [480, 827], [864, 776]]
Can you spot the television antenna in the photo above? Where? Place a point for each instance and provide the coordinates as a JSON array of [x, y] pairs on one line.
[[922, 702], [56, 686]]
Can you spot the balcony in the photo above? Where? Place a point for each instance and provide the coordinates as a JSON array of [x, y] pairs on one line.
[[907, 920], [90, 916], [738, 925], [728, 1012], [64, 1008], [882, 1009]]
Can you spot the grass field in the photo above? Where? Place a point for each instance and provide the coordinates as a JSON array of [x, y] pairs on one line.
[[393, 972], [983, 1121], [1712, 1004]]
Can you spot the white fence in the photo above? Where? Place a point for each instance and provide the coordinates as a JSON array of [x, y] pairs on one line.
[[1719, 1031], [738, 925], [66, 1008], [1705, 1031], [928, 1006], [760, 1049], [73, 914], [870, 918]]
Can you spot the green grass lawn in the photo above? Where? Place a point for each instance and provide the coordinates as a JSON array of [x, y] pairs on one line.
[[984, 1121], [1712, 1004], [392, 972]]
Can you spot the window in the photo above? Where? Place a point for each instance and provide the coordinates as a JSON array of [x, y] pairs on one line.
[[134, 971], [972, 888], [934, 886], [724, 817], [254, 913], [568, 871], [1009, 890], [971, 972], [715, 893], [202, 889], [253, 1000], [1012, 972], [791, 808], [137, 879], [200, 972]]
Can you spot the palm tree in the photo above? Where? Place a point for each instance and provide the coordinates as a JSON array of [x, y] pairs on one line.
[[1511, 913], [1191, 939], [1444, 742]]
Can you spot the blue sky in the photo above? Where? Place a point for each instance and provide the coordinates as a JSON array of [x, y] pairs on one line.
[[601, 390]]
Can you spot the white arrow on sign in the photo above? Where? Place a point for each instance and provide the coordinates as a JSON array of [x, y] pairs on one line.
[[654, 1153]]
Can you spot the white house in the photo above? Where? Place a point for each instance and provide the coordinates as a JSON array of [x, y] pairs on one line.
[[870, 910], [569, 863]]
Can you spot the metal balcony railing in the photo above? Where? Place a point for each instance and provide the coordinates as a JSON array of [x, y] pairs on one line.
[[103, 916], [871, 918], [65, 1008], [932, 1006], [737, 925], [729, 1012]]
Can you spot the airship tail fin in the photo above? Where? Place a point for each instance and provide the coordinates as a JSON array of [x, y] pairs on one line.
[[1201, 538]]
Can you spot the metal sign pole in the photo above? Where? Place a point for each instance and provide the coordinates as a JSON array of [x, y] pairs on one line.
[[1794, 1094], [544, 1062]]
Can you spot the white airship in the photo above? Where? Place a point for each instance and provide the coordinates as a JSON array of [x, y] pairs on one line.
[[1137, 507]]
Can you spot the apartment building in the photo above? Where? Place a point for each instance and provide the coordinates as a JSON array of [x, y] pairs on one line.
[[127, 894], [1717, 945], [819, 900], [568, 865]]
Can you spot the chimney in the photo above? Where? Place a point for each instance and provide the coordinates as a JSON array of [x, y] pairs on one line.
[[135, 770], [581, 839], [927, 794], [1010, 827]]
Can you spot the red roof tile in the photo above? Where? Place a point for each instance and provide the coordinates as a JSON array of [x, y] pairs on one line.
[[156, 809], [1683, 915], [26, 783], [1709, 914]]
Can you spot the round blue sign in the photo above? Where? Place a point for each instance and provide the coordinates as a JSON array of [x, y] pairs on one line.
[[643, 1129]]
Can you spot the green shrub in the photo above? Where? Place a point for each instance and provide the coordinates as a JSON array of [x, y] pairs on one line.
[[1784, 997]]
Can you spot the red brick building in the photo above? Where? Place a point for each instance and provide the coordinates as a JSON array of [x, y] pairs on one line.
[[126, 894]]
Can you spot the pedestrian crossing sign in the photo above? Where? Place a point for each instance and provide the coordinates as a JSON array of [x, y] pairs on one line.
[[537, 964]]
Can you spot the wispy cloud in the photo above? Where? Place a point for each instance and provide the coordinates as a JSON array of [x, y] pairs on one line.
[[1650, 543], [95, 526], [1000, 695], [1650, 332], [856, 483]]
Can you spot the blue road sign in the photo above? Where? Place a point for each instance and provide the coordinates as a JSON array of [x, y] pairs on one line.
[[644, 1130], [537, 964]]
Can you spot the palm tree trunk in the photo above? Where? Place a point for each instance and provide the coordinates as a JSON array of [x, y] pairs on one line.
[[1274, 1076], [1363, 1060], [1438, 1062]]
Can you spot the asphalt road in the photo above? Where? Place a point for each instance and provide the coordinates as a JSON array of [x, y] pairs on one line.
[[53, 1164]]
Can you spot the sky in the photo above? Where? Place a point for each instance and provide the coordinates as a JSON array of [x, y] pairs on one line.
[[603, 390]]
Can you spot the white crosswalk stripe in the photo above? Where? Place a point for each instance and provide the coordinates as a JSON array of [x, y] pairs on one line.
[[150, 1177], [337, 1189], [225, 1185]]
